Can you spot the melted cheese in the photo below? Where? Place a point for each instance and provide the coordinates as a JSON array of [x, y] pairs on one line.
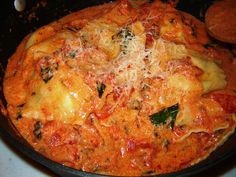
[[42, 33], [60, 100], [172, 27], [213, 77], [129, 67], [180, 82], [193, 113], [99, 33]]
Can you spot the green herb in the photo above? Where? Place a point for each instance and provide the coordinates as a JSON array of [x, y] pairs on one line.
[[125, 33], [73, 28], [37, 130], [72, 53], [47, 71], [164, 115], [124, 36], [19, 112], [100, 88]]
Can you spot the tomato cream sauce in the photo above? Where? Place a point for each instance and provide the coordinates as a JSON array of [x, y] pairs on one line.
[[122, 89]]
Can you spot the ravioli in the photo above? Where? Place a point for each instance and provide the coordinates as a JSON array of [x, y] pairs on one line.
[[122, 89]]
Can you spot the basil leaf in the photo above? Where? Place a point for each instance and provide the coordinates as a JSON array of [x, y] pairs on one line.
[[47, 74], [164, 115], [19, 111], [124, 36], [72, 53], [37, 130], [47, 71], [100, 88], [73, 28]]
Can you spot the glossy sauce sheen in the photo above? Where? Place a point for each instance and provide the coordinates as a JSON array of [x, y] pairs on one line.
[[122, 90]]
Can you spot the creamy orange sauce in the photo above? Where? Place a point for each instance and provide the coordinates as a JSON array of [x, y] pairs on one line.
[[125, 91]]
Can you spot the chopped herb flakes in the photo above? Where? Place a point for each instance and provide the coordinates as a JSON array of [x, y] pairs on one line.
[[73, 28], [47, 74], [47, 71], [100, 88], [125, 33], [37, 130], [72, 53], [19, 112], [165, 115], [123, 36]]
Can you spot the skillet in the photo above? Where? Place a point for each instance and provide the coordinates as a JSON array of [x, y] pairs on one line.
[[15, 25]]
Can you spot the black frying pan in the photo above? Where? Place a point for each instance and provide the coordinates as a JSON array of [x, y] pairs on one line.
[[14, 26]]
